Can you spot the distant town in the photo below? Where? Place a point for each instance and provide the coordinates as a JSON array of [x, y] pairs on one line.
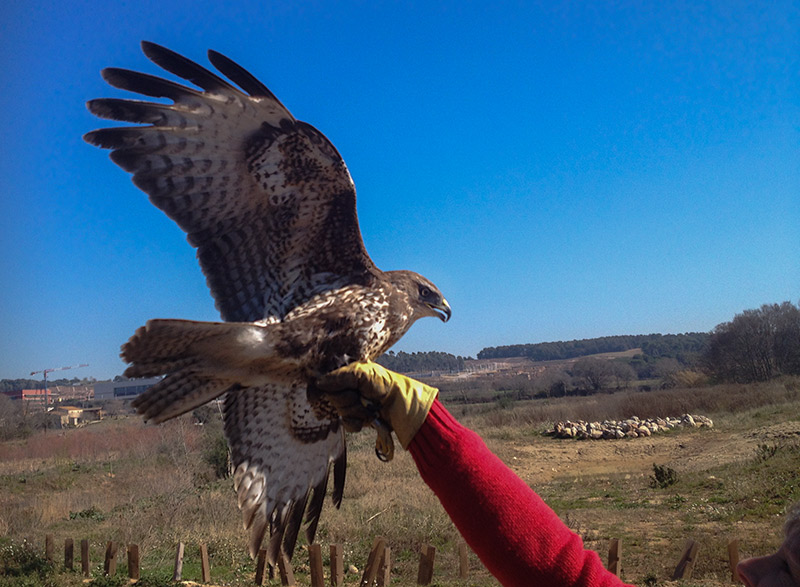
[[72, 405]]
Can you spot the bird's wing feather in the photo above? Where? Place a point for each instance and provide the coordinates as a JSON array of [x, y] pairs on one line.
[[282, 454], [267, 200]]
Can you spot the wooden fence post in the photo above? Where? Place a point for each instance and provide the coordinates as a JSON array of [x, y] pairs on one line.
[[315, 565], [385, 572], [69, 553], [426, 559], [205, 566], [285, 568], [373, 562], [463, 561], [178, 573], [133, 561], [110, 564], [615, 556], [85, 557], [733, 559], [337, 565], [686, 564], [49, 546]]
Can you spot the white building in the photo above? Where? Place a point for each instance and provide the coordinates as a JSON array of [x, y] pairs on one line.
[[123, 389]]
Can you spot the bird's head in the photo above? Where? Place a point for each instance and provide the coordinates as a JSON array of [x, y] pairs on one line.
[[424, 298]]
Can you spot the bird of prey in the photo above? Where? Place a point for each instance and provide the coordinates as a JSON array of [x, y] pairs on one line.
[[269, 205]]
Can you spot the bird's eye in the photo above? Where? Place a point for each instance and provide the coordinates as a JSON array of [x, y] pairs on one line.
[[424, 292]]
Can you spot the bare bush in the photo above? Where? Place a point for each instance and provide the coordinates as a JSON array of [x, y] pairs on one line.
[[756, 345]]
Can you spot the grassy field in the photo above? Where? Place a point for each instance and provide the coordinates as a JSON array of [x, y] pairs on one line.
[[154, 486]]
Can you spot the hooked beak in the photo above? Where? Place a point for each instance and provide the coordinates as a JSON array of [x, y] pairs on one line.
[[442, 310]]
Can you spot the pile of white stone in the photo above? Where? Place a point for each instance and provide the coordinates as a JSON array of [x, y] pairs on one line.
[[630, 428]]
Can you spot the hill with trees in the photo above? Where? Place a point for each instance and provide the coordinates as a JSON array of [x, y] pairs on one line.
[[685, 348], [422, 362]]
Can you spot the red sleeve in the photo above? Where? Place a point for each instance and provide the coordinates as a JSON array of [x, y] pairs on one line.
[[514, 533]]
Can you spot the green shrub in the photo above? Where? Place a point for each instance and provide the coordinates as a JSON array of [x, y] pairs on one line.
[[22, 561], [91, 513], [217, 455], [766, 451], [162, 580], [663, 476], [106, 581]]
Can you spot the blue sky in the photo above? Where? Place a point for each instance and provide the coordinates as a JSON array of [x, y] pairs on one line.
[[559, 170]]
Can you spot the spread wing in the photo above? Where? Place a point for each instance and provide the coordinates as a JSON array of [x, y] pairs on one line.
[[266, 199], [280, 447]]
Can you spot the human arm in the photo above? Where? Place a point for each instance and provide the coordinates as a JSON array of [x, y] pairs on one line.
[[514, 533], [519, 539]]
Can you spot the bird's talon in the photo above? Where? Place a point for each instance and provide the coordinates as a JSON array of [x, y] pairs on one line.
[[384, 444]]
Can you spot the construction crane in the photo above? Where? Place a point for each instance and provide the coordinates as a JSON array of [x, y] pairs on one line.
[[44, 373]]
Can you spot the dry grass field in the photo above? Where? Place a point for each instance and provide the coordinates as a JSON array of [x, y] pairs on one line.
[[122, 480]]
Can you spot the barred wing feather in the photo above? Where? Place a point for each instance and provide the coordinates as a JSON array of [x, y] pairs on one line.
[[267, 200]]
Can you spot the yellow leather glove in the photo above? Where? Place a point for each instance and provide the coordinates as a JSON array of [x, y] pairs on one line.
[[361, 391]]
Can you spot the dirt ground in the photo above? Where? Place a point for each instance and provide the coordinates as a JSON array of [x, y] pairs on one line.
[[547, 460]]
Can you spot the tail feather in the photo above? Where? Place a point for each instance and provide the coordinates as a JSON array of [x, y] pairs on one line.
[[161, 342], [200, 361], [156, 367], [177, 394]]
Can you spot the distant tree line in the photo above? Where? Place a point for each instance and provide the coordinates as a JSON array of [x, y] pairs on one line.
[[756, 345], [422, 362], [685, 348]]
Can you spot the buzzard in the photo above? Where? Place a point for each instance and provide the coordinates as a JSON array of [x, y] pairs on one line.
[[269, 205]]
